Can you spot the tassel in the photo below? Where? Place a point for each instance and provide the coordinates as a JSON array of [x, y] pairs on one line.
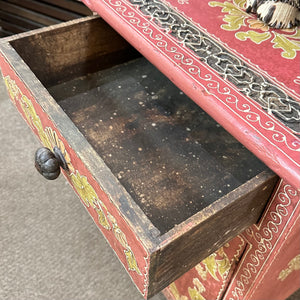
[[280, 14]]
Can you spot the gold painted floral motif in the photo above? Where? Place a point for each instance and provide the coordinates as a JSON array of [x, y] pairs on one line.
[[237, 19], [84, 189], [105, 219], [197, 290], [86, 192], [11, 87], [30, 114], [214, 266], [132, 264], [120, 236], [208, 266], [173, 289], [293, 265], [89, 197], [217, 265], [48, 137]]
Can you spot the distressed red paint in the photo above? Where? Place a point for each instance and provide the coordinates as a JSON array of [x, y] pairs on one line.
[[271, 245]]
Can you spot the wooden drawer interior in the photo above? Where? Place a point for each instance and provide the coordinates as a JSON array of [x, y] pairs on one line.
[[168, 153], [172, 158]]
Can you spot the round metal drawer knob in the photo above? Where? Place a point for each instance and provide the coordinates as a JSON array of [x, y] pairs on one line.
[[48, 162]]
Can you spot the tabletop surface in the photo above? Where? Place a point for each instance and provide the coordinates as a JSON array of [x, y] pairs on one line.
[[241, 72]]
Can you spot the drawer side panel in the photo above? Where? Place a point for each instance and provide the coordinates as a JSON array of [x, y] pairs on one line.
[[127, 246]]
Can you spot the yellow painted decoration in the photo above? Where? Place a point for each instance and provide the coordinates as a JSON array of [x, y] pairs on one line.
[[84, 189], [86, 192], [201, 271], [256, 37], [90, 198], [257, 24], [132, 264], [290, 47], [102, 219], [211, 265], [11, 87], [293, 265], [237, 19], [216, 265], [120, 236], [223, 264], [195, 292], [234, 17], [31, 116], [173, 289]]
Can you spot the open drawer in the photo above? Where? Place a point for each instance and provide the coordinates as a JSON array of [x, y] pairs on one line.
[[166, 185]]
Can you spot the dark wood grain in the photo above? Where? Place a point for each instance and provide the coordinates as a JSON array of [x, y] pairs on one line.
[[46, 9], [28, 14], [13, 19], [4, 33], [75, 6], [75, 51], [14, 28], [18, 16]]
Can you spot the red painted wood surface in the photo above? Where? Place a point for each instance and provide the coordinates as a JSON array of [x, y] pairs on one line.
[[231, 28], [270, 266]]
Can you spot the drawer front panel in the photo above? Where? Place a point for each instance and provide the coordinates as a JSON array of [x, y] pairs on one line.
[[118, 233]]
